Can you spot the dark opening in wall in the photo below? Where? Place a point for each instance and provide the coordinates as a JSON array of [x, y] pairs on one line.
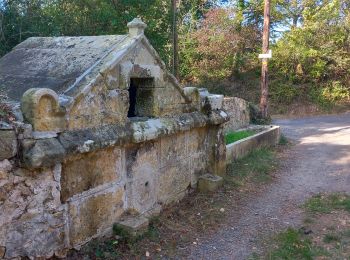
[[141, 97], [132, 99]]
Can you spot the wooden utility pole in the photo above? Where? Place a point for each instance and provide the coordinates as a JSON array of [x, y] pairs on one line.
[[264, 67], [175, 62]]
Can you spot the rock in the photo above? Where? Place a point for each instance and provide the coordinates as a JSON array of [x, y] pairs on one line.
[[5, 166], [5, 126], [209, 183], [215, 101], [8, 144], [44, 153], [135, 225], [2, 251], [44, 135], [23, 130]]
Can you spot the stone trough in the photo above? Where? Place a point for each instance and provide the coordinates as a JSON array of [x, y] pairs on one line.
[[266, 137]]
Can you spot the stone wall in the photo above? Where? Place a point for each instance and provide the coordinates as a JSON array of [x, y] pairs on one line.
[[75, 190], [238, 111]]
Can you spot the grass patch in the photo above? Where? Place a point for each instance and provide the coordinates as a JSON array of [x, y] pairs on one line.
[[328, 219], [232, 137], [329, 238], [292, 245], [283, 140], [326, 203], [257, 165]]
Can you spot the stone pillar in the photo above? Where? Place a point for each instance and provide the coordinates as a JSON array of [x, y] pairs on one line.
[[136, 27], [219, 150]]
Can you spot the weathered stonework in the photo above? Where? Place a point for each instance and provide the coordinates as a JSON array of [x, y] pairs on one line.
[[95, 214], [32, 217], [238, 111], [107, 130], [8, 144], [41, 108], [83, 172]]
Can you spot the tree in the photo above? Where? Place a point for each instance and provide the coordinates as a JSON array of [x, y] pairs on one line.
[[264, 67]]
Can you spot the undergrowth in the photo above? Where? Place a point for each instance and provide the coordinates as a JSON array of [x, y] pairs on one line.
[[325, 236], [291, 244], [323, 203], [258, 165]]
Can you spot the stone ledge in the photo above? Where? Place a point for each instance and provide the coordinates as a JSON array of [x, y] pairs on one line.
[[47, 152]]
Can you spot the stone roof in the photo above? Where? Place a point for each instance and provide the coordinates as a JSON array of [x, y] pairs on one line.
[[52, 62]]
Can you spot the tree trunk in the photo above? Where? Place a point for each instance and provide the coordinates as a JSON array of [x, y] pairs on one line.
[[264, 67], [175, 62]]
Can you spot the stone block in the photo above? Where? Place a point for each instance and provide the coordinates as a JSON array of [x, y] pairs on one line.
[[43, 153], [100, 106], [5, 167], [172, 149], [133, 225], [37, 236], [94, 215], [8, 144], [238, 111], [215, 101], [143, 173], [174, 180], [86, 171], [209, 183], [43, 135], [197, 140]]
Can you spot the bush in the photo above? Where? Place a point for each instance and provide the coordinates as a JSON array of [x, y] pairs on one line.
[[5, 110]]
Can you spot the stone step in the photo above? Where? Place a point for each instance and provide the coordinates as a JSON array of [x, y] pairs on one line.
[[209, 182]]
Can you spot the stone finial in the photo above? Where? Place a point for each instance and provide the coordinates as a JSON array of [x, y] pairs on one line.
[[136, 27], [40, 107]]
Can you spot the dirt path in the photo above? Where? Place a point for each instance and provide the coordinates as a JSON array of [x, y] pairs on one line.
[[318, 162]]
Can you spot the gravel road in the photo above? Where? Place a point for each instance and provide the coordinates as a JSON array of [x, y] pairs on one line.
[[318, 162]]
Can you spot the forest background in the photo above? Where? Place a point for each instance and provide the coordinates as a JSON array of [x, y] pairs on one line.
[[219, 41]]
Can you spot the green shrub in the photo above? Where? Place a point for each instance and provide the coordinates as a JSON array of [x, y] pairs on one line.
[[283, 92], [291, 245]]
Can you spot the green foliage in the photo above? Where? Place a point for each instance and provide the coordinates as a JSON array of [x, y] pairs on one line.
[[283, 140], [292, 245], [232, 137], [329, 238], [315, 56], [258, 165], [217, 43], [256, 117], [218, 48], [283, 92], [326, 203], [22, 19], [6, 113]]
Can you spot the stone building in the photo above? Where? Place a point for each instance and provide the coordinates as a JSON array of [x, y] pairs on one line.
[[101, 130]]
